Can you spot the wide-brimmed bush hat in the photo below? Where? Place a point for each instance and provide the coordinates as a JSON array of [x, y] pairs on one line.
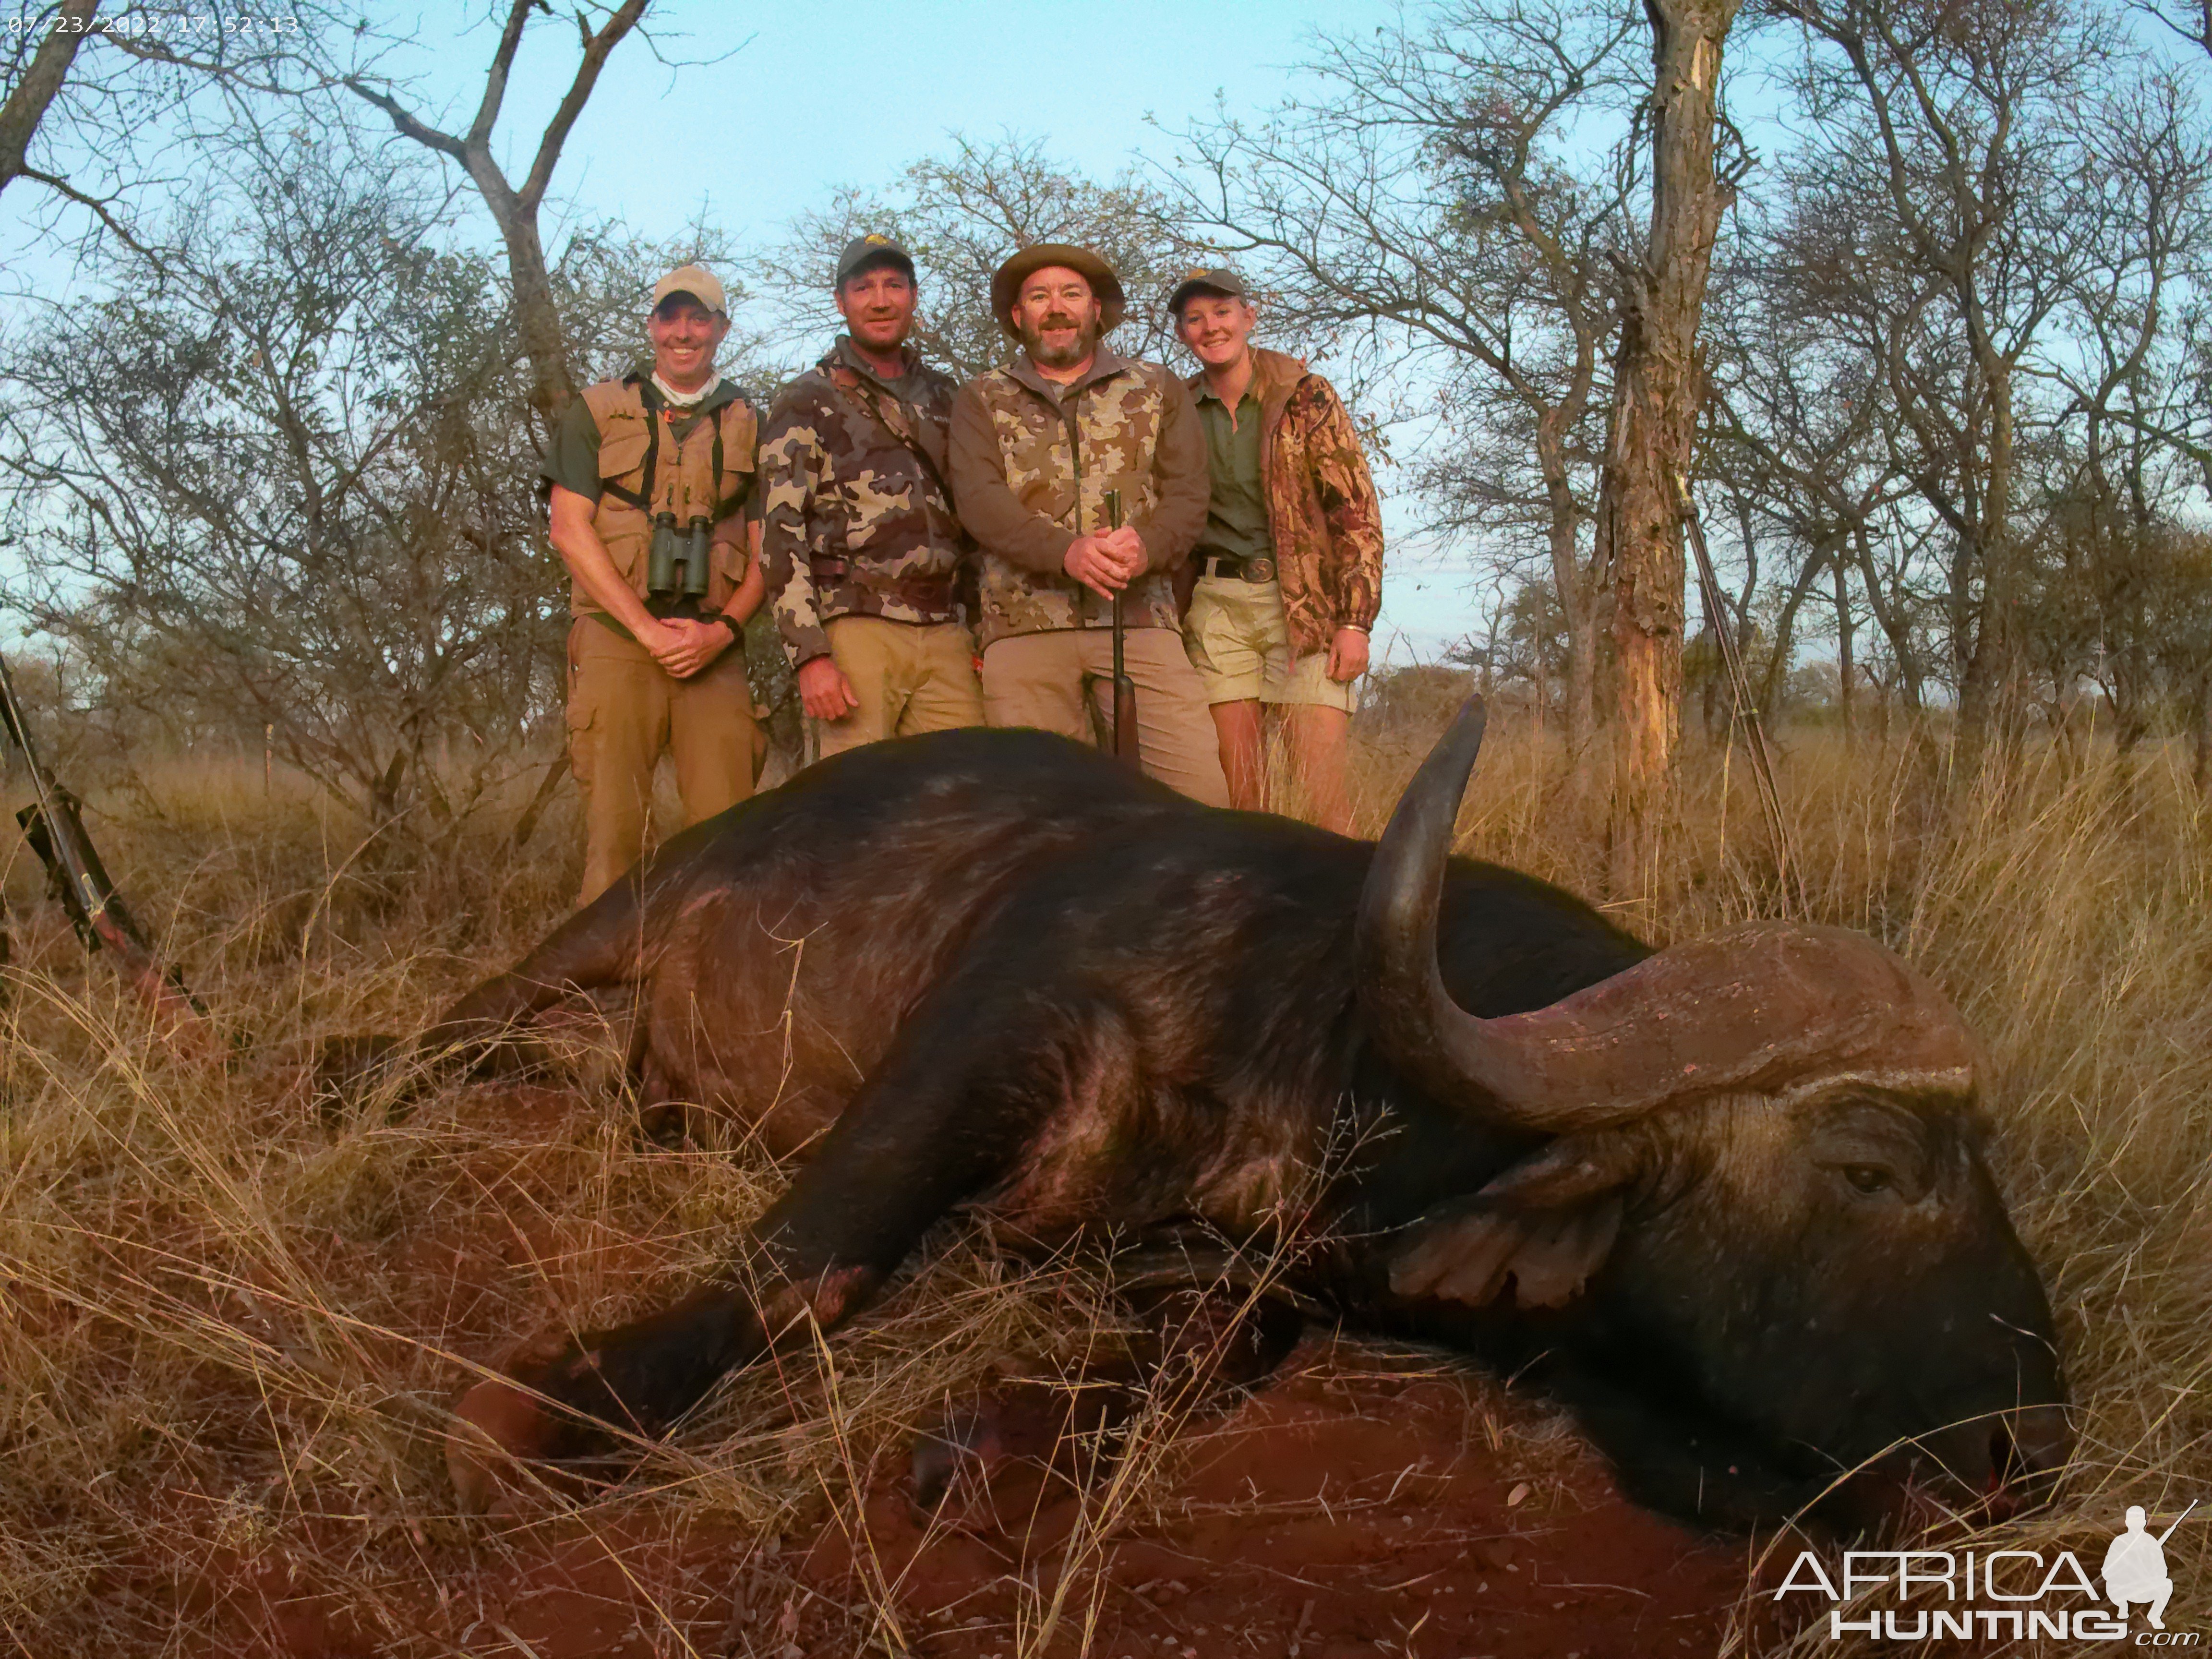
[[1007, 285]]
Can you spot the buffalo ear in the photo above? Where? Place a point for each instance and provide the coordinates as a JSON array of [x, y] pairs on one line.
[[1546, 1225]]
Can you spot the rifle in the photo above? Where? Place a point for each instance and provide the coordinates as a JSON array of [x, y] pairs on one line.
[[1124, 688], [54, 827]]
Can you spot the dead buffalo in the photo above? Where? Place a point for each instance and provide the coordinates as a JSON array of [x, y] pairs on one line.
[[1726, 1198]]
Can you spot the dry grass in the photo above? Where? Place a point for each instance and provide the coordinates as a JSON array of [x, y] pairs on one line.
[[227, 1329]]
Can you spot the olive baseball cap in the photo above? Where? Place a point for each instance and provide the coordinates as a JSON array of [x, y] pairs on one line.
[[1217, 279], [866, 252], [1007, 285], [696, 281]]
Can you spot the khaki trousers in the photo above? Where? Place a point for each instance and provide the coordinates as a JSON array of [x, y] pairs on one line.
[[625, 710], [1046, 680], [909, 677]]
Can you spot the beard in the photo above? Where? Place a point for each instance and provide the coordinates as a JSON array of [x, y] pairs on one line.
[[1087, 333]]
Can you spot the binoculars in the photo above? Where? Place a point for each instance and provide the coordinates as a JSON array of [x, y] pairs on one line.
[[677, 566]]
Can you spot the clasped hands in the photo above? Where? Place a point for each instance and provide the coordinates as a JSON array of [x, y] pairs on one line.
[[682, 647], [1106, 563]]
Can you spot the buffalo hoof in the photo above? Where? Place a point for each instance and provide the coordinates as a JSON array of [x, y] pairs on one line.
[[512, 1434], [499, 1428], [349, 1070], [991, 1462], [958, 1456]]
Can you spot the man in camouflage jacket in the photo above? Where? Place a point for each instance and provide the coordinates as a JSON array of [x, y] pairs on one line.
[[1036, 445], [1290, 564], [860, 537]]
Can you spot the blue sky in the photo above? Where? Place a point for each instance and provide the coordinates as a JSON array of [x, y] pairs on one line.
[[818, 95]]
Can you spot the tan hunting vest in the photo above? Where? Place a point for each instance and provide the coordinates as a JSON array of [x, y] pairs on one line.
[[645, 471]]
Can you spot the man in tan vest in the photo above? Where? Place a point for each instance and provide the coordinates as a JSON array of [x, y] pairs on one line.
[[654, 513]]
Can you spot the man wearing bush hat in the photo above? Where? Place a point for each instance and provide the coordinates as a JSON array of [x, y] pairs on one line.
[[862, 548], [654, 514], [1036, 444]]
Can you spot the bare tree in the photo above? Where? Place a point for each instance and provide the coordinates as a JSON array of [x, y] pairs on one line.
[[2120, 490], [289, 487], [2189, 19], [1445, 215], [1802, 433], [515, 208], [1964, 124], [91, 93]]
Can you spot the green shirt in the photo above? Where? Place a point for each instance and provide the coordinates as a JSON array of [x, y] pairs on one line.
[[1236, 517]]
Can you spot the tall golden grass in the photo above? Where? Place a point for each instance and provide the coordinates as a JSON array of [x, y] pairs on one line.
[[228, 1326]]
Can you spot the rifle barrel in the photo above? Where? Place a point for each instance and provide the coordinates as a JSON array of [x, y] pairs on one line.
[[2178, 1519], [19, 728]]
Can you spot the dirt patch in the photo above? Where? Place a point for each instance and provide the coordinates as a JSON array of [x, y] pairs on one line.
[[1359, 1505], [1365, 1502], [1354, 1507]]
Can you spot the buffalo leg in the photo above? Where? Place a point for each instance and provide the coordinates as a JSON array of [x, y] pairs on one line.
[[1196, 1348], [924, 1133], [600, 945]]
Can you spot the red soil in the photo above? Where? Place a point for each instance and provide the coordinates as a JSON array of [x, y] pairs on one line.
[[1361, 1503], [1347, 1510]]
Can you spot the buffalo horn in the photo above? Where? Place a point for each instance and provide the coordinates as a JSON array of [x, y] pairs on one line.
[[1766, 1007]]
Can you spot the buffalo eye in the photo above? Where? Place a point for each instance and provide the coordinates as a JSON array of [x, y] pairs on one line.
[[1868, 1178]]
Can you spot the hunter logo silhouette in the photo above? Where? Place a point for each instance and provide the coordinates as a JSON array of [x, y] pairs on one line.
[[2134, 1567]]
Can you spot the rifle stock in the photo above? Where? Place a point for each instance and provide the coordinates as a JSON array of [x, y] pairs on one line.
[[1124, 688]]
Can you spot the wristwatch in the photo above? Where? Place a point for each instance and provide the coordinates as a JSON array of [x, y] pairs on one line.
[[737, 629]]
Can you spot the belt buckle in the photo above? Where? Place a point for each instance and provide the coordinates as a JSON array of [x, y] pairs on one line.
[[1259, 570]]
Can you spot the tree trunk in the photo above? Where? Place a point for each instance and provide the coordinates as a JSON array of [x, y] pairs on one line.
[[1891, 618], [1577, 589], [1785, 636], [1843, 642], [536, 315], [1986, 691], [1659, 385], [27, 103]]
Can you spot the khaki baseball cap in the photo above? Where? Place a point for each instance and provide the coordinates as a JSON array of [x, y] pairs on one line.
[[1217, 279], [696, 281], [866, 252]]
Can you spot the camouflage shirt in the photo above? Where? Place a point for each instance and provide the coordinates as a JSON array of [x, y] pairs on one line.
[[854, 522], [1031, 463], [1323, 516]]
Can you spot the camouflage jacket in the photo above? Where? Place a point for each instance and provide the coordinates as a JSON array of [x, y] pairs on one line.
[[1031, 465], [1323, 516], [853, 522]]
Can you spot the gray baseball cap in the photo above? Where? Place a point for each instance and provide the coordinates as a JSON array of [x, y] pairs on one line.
[[1217, 279], [866, 252]]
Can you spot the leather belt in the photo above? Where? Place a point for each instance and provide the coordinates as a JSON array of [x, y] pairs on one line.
[[1260, 569]]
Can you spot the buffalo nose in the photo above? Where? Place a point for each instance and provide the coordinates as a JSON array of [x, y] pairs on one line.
[[2037, 1440]]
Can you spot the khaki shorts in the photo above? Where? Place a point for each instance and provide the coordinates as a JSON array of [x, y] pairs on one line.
[[1241, 646]]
